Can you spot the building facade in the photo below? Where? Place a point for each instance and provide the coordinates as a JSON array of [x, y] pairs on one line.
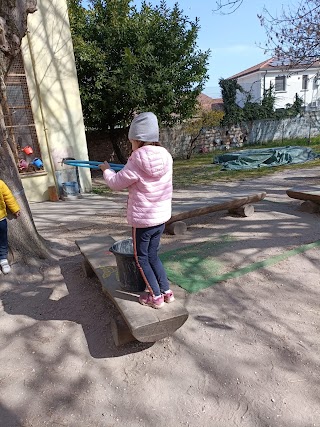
[[305, 82], [45, 116]]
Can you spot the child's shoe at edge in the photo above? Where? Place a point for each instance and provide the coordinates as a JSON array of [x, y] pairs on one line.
[[148, 299], [5, 267], [168, 297]]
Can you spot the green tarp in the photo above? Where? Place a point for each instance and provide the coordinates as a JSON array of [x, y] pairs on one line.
[[265, 157]]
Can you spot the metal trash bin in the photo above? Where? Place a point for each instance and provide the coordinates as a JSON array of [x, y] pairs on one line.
[[129, 275]]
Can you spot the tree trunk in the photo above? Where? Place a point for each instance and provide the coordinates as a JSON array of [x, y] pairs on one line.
[[24, 240], [116, 140], [193, 144]]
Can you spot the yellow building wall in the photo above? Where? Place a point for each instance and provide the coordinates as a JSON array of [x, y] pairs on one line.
[[55, 99]]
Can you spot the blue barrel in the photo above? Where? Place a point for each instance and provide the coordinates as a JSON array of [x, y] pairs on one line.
[[70, 188]]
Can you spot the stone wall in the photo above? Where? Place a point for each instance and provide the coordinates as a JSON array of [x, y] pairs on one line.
[[178, 141], [305, 126]]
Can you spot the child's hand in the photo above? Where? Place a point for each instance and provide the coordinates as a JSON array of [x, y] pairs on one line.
[[17, 214], [105, 165]]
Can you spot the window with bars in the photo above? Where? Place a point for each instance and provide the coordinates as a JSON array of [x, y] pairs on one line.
[[280, 84], [305, 80], [19, 119]]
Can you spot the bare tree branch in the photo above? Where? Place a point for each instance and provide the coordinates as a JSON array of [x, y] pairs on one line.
[[294, 35], [226, 7]]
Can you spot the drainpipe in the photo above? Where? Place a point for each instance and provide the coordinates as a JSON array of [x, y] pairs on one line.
[[41, 111], [264, 81]]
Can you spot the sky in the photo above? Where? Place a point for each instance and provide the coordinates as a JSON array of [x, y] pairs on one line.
[[234, 40]]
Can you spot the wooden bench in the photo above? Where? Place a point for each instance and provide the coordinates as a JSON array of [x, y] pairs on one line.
[[240, 205], [310, 197], [137, 322]]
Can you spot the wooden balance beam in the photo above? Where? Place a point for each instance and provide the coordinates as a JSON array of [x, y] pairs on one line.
[[240, 205], [310, 197], [137, 322]]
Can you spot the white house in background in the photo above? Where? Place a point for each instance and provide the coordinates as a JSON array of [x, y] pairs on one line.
[[286, 82]]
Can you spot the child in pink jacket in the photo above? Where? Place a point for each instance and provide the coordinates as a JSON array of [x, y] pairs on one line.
[[148, 177]]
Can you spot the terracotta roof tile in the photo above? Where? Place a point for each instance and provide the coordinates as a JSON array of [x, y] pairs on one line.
[[271, 64], [205, 102], [208, 104], [261, 66], [217, 100]]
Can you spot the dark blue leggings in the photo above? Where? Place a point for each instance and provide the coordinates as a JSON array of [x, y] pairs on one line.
[[3, 239], [145, 246]]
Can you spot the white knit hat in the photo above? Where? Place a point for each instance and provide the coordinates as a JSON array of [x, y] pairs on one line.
[[144, 127]]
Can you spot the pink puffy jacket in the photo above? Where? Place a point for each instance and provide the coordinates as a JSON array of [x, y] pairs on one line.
[[148, 177]]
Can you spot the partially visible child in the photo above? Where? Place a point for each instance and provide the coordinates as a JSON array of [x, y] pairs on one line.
[[7, 201], [148, 177]]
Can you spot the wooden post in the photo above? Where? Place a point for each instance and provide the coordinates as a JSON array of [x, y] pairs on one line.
[[310, 207], [53, 194], [120, 332], [176, 228], [87, 269], [246, 210]]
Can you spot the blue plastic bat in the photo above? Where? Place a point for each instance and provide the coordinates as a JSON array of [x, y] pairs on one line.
[[91, 164]]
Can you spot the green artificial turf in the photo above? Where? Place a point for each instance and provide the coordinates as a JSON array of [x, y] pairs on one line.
[[197, 266]]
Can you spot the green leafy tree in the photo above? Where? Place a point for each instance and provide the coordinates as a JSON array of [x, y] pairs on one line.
[[267, 103], [131, 60], [233, 113], [297, 106], [259, 110], [251, 111], [254, 110]]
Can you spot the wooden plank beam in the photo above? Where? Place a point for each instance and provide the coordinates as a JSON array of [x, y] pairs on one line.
[[233, 202], [305, 193]]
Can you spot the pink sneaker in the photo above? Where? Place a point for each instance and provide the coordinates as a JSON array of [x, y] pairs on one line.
[[168, 297], [148, 299]]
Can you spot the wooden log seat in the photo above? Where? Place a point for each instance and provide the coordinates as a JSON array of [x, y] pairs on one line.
[[137, 322]]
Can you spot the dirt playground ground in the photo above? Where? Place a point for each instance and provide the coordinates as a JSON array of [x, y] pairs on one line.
[[248, 355]]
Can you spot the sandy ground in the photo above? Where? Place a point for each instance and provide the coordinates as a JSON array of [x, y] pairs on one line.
[[247, 356]]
